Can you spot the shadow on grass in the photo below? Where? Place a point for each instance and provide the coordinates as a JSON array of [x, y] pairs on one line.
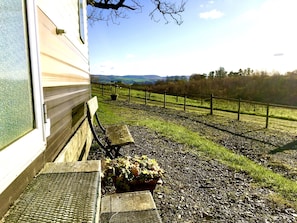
[[157, 109], [289, 146], [243, 134]]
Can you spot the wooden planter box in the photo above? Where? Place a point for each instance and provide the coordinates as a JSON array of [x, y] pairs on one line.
[[126, 186]]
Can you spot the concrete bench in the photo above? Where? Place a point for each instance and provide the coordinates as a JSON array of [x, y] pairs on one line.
[[132, 207], [116, 136], [62, 192], [71, 192]]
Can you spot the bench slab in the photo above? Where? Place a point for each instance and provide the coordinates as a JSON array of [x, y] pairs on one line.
[[129, 207], [118, 135], [60, 194], [74, 167]]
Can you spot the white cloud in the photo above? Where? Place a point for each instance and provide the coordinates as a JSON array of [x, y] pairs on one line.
[[207, 4], [130, 56], [213, 14], [105, 67]]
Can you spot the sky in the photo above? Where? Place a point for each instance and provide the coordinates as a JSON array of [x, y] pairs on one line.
[[256, 34]]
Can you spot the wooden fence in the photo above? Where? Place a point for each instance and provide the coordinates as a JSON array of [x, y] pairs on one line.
[[211, 103]]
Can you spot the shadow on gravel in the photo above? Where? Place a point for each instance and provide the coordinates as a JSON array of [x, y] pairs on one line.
[[196, 119], [289, 146], [243, 134]]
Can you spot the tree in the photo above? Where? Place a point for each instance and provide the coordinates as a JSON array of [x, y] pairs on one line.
[[248, 71], [211, 74], [114, 9], [221, 72], [197, 77]]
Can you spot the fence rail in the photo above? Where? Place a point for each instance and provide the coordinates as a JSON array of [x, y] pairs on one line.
[[211, 103]]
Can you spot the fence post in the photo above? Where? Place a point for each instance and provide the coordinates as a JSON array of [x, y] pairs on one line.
[[238, 115], [185, 101], [145, 97], [102, 90], [164, 99], [129, 94], [211, 104], [267, 116]]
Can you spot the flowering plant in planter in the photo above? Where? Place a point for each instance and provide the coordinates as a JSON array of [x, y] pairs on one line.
[[132, 173]]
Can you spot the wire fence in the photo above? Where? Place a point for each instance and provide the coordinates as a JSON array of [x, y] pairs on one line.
[[202, 103]]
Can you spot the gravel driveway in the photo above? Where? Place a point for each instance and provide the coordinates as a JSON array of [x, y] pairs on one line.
[[199, 189]]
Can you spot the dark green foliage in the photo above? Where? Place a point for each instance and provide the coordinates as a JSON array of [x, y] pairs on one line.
[[245, 84], [277, 89]]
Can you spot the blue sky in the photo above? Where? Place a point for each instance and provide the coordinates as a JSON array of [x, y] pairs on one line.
[[259, 34]]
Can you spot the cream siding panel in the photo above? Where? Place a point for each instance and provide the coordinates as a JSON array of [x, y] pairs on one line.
[[62, 62], [65, 15]]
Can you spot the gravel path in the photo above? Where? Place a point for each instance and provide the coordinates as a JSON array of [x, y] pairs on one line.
[[198, 189]]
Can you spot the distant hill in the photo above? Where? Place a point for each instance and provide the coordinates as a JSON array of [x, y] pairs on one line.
[[127, 79]]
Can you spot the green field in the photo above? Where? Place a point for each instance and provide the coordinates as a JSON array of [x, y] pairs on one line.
[[257, 111], [285, 190]]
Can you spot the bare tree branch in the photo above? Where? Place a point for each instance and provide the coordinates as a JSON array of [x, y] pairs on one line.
[[168, 9], [107, 4], [112, 10]]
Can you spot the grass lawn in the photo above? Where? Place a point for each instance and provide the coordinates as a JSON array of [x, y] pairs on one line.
[[285, 190]]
